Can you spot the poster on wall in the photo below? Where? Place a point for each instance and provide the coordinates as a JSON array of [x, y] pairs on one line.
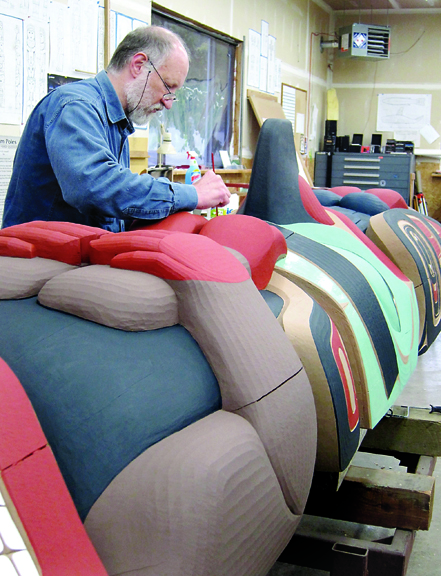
[[11, 67], [264, 27], [403, 112], [36, 9], [60, 28], [12, 8], [84, 18], [35, 63], [253, 58], [271, 85], [263, 74], [263, 66], [112, 36], [124, 25]]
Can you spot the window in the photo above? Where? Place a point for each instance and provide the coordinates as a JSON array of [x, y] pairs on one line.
[[202, 118]]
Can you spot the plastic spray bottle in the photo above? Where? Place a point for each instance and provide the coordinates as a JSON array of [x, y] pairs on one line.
[[193, 171]]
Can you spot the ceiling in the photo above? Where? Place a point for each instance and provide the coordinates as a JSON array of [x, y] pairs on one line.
[[387, 5]]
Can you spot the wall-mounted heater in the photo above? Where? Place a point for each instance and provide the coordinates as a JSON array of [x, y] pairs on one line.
[[364, 41]]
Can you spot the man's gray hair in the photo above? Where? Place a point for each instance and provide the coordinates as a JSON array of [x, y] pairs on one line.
[[156, 42]]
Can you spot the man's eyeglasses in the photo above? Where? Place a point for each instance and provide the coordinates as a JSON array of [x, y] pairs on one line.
[[169, 97]]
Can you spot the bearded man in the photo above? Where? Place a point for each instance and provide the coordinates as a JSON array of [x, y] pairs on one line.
[[72, 162]]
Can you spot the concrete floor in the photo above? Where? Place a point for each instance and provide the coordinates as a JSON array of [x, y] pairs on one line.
[[422, 390]]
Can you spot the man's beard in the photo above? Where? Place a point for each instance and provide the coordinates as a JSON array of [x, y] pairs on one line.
[[138, 96]]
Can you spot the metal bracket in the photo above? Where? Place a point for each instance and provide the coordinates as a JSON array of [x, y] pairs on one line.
[[398, 412], [404, 411], [327, 44]]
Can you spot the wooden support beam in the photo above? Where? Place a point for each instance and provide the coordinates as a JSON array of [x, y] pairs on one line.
[[374, 496], [417, 433], [388, 498]]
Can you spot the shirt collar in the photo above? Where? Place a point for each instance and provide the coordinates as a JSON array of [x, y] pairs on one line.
[[115, 111]]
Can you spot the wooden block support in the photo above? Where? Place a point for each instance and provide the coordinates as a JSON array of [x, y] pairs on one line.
[[374, 496], [388, 498], [417, 433]]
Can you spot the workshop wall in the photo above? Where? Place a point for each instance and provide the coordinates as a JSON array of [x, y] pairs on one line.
[[293, 24], [299, 26], [412, 68], [296, 25]]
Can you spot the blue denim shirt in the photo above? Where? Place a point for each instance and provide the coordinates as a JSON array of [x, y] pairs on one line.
[[72, 164]]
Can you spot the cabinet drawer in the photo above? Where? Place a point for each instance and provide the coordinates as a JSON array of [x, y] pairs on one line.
[[361, 182], [372, 171], [398, 162]]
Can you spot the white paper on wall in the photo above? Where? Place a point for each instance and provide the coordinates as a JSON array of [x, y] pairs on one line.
[[11, 70], [403, 112], [429, 133], [300, 123], [264, 38], [17, 8], [84, 35], [36, 61], [263, 77], [253, 58], [39, 10], [271, 80], [60, 57], [123, 27]]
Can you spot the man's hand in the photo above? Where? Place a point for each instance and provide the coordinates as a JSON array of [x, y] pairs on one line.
[[211, 191]]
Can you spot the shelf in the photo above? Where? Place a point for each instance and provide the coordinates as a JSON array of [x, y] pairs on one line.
[[229, 176]]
